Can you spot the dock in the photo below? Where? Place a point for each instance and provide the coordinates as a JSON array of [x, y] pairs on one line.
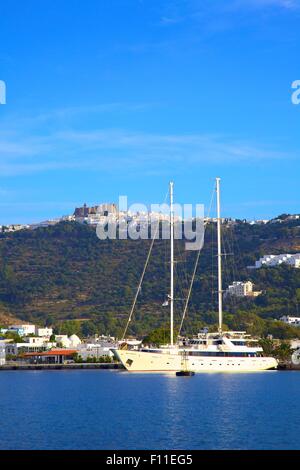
[[73, 366]]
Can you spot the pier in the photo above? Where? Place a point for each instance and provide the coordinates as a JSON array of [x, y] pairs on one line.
[[72, 366]]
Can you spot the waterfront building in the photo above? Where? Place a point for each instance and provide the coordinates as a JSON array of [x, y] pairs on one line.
[[16, 349], [96, 350], [47, 332], [74, 341], [2, 354], [37, 340], [53, 356], [63, 340], [93, 351], [68, 342]]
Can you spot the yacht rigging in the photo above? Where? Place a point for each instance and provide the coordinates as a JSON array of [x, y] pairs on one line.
[[220, 351]]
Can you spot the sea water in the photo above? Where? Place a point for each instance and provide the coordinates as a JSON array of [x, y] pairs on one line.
[[98, 409]]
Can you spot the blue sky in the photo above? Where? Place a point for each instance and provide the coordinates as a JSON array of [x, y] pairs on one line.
[[110, 97]]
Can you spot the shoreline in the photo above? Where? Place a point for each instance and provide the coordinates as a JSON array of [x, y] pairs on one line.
[[75, 366], [100, 366], [288, 366]]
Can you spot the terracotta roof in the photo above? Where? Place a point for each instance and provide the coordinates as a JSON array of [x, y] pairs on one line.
[[53, 352]]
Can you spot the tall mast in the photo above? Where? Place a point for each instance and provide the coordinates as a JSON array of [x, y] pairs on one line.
[[220, 293], [172, 265]]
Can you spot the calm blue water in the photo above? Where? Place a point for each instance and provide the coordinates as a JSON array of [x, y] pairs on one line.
[[118, 410]]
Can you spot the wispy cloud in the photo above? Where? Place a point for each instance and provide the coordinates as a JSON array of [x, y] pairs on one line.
[[286, 4], [195, 147], [209, 13], [170, 20], [32, 149], [189, 23], [53, 116]]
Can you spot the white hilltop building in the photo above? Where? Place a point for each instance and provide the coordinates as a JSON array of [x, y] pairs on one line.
[[259, 222], [293, 321], [242, 289], [277, 260], [110, 213]]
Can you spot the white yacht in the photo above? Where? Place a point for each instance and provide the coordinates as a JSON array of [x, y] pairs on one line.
[[222, 351]]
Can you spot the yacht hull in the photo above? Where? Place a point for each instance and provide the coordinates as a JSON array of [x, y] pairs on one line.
[[139, 361]]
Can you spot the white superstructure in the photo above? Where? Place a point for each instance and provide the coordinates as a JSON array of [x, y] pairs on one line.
[[222, 351]]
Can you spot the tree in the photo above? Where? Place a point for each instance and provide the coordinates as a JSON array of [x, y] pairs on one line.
[[52, 276], [158, 336], [268, 346], [14, 336], [283, 352], [249, 322], [88, 328]]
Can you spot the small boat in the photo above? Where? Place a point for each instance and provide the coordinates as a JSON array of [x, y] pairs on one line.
[[185, 373]]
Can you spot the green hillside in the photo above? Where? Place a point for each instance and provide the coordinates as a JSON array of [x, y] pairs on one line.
[[63, 273]]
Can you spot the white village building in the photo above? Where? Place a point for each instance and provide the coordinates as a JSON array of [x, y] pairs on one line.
[[293, 321], [46, 332], [24, 328], [2, 353], [242, 289], [277, 260]]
